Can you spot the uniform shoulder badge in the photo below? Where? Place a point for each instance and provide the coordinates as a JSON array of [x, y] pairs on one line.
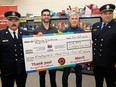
[[94, 29]]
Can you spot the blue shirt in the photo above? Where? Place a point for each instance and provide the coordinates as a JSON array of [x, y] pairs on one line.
[[74, 30], [103, 24]]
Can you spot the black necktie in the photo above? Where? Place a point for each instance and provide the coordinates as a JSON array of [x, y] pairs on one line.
[[15, 38]]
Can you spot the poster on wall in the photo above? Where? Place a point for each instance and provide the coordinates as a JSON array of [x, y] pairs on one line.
[[4, 9], [54, 51]]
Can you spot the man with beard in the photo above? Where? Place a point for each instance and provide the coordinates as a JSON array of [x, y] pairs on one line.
[[12, 65], [46, 28]]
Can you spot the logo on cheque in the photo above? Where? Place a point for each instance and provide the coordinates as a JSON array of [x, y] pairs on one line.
[[61, 61]]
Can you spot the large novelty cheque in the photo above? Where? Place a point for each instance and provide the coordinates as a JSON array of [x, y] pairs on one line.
[[53, 51]]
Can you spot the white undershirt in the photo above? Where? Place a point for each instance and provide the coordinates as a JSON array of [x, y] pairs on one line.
[[11, 32]]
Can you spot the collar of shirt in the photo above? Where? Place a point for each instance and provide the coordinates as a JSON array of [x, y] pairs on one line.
[[45, 28], [11, 32], [103, 24]]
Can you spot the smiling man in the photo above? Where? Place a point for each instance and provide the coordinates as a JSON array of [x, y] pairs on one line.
[[46, 28], [104, 47]]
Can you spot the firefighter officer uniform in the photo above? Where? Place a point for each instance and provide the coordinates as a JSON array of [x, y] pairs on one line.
[[12, 65], [104, 48]]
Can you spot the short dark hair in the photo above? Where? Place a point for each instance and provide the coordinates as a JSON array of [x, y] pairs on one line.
[[44, 10]]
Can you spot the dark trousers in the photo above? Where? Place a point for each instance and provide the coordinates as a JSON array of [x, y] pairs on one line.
[[102, 73], [78, 73], [52, 74], [8, 80], [115, 76]]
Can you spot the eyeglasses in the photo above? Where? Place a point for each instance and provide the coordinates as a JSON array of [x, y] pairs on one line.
[[46, 15]]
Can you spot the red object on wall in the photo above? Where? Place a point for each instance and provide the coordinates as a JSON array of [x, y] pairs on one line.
[[4, 9], [95, 11]]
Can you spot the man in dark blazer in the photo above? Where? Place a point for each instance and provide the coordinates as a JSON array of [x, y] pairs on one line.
[[104, 47], [12, 65]]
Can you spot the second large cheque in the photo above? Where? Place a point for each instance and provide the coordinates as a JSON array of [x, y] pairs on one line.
[[54, 51]]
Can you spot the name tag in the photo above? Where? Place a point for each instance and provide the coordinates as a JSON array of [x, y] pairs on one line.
[[4, 40], [94, 29]]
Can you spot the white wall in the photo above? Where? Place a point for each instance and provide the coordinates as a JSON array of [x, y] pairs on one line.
[[35, 6], [6, 2]]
